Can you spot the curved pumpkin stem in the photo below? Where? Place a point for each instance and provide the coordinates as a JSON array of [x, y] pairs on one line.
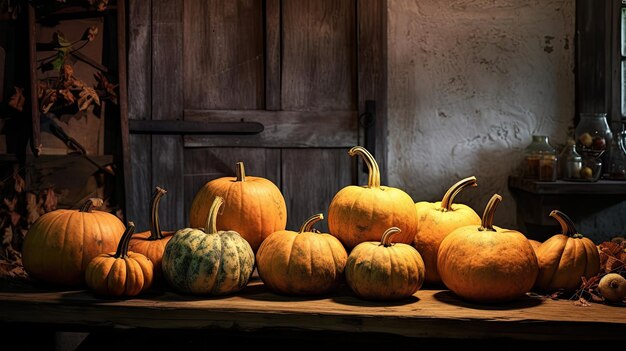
[[211, 224], [373, 180], [307, 226], [490, 211], [122, 247], [386, 239], [567, 225], [448, 197], [155, 226], [90, 204], [241, 172]]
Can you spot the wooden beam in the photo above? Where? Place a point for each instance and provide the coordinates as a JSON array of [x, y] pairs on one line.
[[193, 127], [272, 55], [35, 141]]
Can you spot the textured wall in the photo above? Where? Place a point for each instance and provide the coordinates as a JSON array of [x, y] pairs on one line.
[[469, 82]]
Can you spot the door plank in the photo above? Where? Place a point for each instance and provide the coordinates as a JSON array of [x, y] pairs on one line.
[[223, 54], [205, 164], [272, 55], [139, 108], [167, 103], [319, 55], [312, 178], [281, 128]]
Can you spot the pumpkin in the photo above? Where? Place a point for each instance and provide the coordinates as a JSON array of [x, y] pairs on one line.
[[254, 206], [60, 244], [435, 220], [120, 273], [152, 243], [535, 244], [301, 263], [208, 261], [384, 271], [357, 214], [565, 258], [486, 263]]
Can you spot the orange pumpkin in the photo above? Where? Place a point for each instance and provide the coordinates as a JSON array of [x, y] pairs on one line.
[[565, 258], [535, 244], [120, 273], [358, 214], [384, 271], [435, 220], [301, 263], [152, 243], [486, 263], [60, 244], [254, 206]]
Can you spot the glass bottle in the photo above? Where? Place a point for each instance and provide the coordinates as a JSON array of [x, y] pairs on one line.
[[616, 158], [593, 135], [540, 159]]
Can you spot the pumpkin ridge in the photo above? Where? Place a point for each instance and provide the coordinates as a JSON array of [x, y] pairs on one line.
[[332, 254], [554, 265], [66, 258], [41, 253], [220, 262]]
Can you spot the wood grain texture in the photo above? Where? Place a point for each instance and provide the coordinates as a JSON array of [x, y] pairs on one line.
[[562, 187], [35, 135], [314, 177], [223, 54], [127, 182], [272, 55], [372, 54], [428, 314], [167, 103], [138, 201], [319, 55], [205, 164], [281, 128]]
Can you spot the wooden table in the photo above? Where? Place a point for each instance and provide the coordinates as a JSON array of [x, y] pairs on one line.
[[428, 314]]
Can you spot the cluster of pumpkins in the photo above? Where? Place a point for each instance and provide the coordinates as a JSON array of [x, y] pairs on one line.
[[381, 243]]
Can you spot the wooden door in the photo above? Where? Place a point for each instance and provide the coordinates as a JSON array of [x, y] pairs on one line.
[[301, 68]]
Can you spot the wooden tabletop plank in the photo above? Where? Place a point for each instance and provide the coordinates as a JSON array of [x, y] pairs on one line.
[[429, 313]]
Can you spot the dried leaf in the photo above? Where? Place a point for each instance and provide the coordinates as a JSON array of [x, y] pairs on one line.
[[48, 100], [15, 218], [42, 87], [100, 5], [104, 84], [67, 96], [11, 204], [582, 302], [90, 33], [86, 97], [34, 207], [50, 204], [17, 100], [19, 183], [67, 72], [60, 40]]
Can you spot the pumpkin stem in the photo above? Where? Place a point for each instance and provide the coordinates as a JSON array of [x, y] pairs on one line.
[[241, 172], [122, 247], [90, 204], [567, 225], [448, 197], [490, 211], [386, 239], [155, 226], [307, 226], [373, 180], [211, 225]]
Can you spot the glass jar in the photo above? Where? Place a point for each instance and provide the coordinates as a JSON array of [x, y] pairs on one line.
[[593, 135], [591, 169], [616, 158], [570, 162], [540, 159]]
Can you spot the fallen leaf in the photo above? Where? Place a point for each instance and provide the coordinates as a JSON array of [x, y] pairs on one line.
[[582, 302], [19, 183], [17, 100], [34, 207], [50, 204], [90, 33]]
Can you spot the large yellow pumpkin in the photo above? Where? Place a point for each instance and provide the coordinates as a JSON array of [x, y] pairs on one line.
[[120, 273], [152, 243], [358, 214], [384, 271], [486, 263], [435, 220], [60, 244], [565, 258], [301, 263], [254, 206]]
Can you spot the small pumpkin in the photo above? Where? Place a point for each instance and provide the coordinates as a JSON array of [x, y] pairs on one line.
[[435, 220], [301, 263], [60, 244], [120, 273], [254, 206], [384, 271], [486, 263], [208, 261], [358, 214], [535, 244], [565, 258], [152, 243]]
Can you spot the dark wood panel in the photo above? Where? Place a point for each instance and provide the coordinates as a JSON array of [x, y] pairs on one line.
[[194, 127], [562, 187], [223, 54], [319, 55], [138, 204], [281, 129], [272, 55], [139, 59], [372, 53], [167, 103], [311, 179], [125, 183], [205, 164]]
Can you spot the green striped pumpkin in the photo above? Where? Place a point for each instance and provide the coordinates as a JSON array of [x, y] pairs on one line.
[[206, 261]]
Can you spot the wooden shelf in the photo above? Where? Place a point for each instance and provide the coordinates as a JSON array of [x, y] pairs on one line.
[[561, 187], [428, 314]]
